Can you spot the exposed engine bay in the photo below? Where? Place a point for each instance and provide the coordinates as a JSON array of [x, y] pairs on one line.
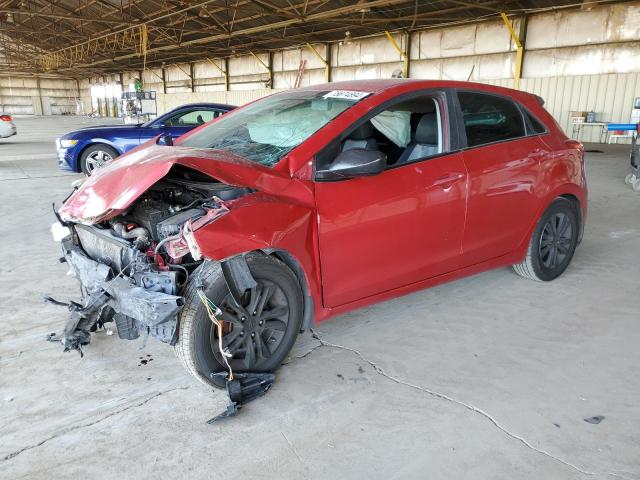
[[133, 267]]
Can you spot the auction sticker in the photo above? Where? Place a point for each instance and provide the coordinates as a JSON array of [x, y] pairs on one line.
[[347, 95]]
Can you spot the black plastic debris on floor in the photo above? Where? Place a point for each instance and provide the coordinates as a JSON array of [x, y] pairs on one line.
[[594, 420], [144, 361], [244, 388]]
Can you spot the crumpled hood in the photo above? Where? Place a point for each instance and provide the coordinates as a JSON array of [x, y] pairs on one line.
[[112, 189]]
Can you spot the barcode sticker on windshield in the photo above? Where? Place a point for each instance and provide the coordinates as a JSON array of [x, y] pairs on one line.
[[347, 95]]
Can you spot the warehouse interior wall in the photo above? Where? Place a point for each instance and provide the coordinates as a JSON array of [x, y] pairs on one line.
[[21, 95], [585, 59]]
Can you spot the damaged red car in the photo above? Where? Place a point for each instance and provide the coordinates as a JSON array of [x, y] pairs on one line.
[[232, 239]]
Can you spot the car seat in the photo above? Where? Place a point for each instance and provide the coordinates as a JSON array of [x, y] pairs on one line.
[[361, 137], [425, 141]]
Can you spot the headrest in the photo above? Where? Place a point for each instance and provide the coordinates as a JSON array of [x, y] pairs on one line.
[[363, 132], [427, 129]]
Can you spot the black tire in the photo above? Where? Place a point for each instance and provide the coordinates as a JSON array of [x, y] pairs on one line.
[[553, 242], [197, 345], [87, 161]]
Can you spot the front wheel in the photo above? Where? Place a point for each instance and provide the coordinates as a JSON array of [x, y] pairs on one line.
[[259, 331], [553, 243], [96, 156]]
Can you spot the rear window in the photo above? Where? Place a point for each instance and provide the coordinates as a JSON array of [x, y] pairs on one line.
[[490, 118]]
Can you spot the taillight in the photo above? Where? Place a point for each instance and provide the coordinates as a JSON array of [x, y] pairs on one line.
[[6, 118]]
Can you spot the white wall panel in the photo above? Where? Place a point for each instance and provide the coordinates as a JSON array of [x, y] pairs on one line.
[[610, 96], [21, 96], [169, 101], [458, 41]]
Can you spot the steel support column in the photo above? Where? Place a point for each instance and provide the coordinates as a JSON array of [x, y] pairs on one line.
[[518, 39], [404, 55], [268, 66], [224, 71], [326, 62]]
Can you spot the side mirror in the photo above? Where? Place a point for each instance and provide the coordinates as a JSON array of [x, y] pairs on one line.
[[355, 162], [165, 139]]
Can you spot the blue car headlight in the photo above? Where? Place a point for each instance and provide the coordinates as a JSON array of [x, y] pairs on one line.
[[66, 143]]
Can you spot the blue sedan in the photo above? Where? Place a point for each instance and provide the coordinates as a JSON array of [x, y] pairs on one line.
[[89, 148]]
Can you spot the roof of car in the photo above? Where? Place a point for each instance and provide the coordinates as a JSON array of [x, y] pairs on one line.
[[375, 85], [220, 106], [378, 85]]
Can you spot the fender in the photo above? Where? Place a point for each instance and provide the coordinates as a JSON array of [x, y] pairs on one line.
[[275, 224], [106, 142], [559, 191]]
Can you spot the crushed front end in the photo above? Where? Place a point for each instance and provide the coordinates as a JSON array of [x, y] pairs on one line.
[[132, 267]]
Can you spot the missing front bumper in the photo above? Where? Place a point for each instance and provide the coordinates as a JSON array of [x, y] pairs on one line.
[[114, 296]]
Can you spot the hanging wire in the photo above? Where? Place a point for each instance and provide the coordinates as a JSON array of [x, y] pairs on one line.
[[144, 46], [212, 311]]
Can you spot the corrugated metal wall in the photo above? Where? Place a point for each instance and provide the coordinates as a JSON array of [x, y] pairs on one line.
[[235, 97], [30, 96]]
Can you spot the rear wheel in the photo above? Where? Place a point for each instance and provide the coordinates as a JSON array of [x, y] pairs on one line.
[[553, 243], [96, 156], [258, 331]]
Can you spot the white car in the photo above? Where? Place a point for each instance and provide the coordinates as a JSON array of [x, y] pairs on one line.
[[7, 127]]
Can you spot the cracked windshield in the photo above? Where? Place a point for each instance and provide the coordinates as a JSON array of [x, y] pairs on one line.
[[268, 129]]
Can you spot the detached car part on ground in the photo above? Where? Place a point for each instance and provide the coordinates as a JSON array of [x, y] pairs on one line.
[[313, 202]]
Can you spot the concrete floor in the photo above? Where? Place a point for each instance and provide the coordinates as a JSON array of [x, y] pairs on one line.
[[488, 377]]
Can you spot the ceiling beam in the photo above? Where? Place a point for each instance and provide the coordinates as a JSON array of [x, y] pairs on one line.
[[63, 16]]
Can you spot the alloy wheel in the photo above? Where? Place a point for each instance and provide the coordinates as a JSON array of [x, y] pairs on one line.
[[253, 328], [97, 159], [555, 241]]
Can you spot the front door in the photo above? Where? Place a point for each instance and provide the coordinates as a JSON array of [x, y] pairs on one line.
[[387, 231]]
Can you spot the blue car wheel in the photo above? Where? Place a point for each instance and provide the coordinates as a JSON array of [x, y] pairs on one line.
[[96, 156]]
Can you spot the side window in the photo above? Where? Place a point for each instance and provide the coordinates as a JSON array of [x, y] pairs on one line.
[[534, 127], [406, 132], [192, 118], [490, 118]]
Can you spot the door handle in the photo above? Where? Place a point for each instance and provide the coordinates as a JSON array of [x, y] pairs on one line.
[[448, 179], [538, 152]]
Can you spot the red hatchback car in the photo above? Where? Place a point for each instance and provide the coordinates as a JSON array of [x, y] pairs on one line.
[[311, 202]]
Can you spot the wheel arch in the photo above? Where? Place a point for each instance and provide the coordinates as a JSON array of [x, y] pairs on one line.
[[273, 226], [575, 194], [93, 143], [576, 204], [292, 262], [296, 267]]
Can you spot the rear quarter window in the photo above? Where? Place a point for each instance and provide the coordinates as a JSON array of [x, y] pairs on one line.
[[534, 126], [490, 118]]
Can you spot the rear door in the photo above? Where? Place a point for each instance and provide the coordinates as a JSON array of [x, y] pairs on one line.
[[503, 165]]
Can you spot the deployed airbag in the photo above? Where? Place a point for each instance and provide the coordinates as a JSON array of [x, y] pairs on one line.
[[395, 125], [289, 128]]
